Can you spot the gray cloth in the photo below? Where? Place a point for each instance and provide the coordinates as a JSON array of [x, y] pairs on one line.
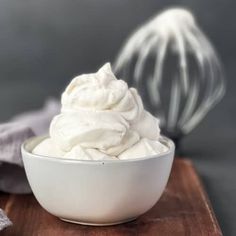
[[4, 221], [12, 135]]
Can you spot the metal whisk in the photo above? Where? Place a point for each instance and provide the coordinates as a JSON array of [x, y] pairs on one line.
[[175, 68]]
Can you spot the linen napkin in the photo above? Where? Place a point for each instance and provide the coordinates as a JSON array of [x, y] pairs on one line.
[[4, 221], [12, 135]]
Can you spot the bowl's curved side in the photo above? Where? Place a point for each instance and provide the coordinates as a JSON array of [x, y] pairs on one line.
[[103, 193]]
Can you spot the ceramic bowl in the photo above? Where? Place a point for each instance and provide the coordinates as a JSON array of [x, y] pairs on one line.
[[97, 192]]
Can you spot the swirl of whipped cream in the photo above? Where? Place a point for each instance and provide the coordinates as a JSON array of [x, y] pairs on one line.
[[102, 91], [101, 118]]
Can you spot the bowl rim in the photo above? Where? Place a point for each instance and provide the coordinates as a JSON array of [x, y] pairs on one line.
[[163, 139]]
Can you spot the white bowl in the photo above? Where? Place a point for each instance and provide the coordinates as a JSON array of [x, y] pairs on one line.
[[97, 192]]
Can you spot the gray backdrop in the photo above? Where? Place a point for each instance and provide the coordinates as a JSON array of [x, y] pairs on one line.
[[43, 44]]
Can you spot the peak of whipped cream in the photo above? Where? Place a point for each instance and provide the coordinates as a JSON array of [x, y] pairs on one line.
[[101, 118]]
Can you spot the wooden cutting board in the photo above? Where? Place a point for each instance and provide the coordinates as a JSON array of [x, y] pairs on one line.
[[184, 209]]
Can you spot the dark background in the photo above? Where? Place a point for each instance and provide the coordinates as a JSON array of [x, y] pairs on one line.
[[43, 44]]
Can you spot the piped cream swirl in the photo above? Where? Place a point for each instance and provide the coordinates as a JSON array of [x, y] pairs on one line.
[[100, 118]]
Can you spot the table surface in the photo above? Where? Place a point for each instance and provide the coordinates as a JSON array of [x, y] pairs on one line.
[[184, 209]]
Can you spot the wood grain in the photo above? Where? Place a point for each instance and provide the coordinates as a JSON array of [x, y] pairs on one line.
[[184, 209]]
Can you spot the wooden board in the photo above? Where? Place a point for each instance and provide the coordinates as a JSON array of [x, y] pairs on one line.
[[184, 209]]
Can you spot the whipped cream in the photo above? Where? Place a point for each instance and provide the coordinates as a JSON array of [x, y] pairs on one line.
[[101, 118]]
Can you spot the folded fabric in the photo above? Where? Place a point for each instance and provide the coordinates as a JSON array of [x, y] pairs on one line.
[[4, 221], [12, 135]]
